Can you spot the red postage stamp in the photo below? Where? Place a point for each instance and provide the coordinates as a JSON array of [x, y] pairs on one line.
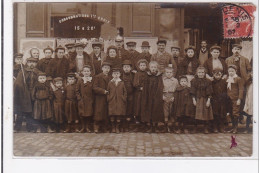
[[238, 21]]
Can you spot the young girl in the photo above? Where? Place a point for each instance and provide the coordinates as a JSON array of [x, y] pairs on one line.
[[128, 78], [183, 109], [116, 100], [58, 103], [85, 98], [42, 109], [138, 83], [71, 110], [235, 89], [201, 90], [152, 105], [219, 101]]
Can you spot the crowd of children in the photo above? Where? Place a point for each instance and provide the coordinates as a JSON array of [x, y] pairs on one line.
[[143, 94]]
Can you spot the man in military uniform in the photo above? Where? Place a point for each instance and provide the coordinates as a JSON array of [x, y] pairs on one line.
[[119, 42]]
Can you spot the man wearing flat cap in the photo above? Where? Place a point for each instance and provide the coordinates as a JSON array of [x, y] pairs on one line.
[[243, 66], [133, 55], [18, 64], [44, 62], [176, 54], [119, 43], [23, 86], [163, 58], [97, 56], [70, 49], [58, 66], [145, 51]]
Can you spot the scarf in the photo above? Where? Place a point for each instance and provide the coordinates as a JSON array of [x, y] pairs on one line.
[[86, 79], [230, 80]]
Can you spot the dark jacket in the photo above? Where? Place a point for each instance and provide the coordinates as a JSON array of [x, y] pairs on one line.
[[209, 66], [201, 88], [43, 64], [183, 66], [58, 67]]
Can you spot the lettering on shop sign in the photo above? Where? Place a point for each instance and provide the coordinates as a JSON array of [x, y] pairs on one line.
[[91, 16]]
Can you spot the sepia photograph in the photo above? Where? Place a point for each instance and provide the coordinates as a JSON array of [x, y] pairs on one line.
[[117, 79], [130, 86]]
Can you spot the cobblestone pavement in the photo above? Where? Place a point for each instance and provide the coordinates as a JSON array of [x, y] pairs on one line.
[[130, 145]]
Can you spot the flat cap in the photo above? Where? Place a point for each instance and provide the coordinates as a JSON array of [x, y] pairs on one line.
[[175, 47], [116, 69], [236, 45], [57, 79], [106, 63], [71, 75], [131, 43], [69, 45], [18, 55], [80, 45], [215, 47], [32, 59], [127, 62], [41, 74]]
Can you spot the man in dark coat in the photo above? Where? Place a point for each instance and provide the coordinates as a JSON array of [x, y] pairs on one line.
[[71, 51], [101, 106], [23, 86], [44, 63], [203, 53], [18, 59], [133, 55], [145, 51], [97, 57], [59, 66]]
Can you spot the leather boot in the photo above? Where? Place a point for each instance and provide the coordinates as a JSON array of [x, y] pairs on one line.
[[117, 127], [68, 128]]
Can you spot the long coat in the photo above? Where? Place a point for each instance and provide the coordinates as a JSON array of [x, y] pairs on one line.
[[116, 98], [42, 96], [219, 98], [97, 63], [58, 106], [209, 66], [183, 65], [100, 107], [128, 79], [182, 105], [71, 108], [43, 64], [58, 67], [139, 81], [23, 86], [152, 105], [85, 98], [245, 66]]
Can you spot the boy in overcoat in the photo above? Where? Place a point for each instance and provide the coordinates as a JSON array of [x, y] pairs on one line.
[[23, 86], [116, 100], [152, 105], [71, 108], [101, 107], [58, 104], [128, 78], [85, 98], [41, 97]]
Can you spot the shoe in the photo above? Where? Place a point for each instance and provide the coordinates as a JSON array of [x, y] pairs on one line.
[[50, 130], [178, 131], [81, 130], [88, 130], [95, 131], [215, 130], [117, 128], [149, 129], [113, 129], [68, 129], [206, 131], [186, 131], [246, 131]]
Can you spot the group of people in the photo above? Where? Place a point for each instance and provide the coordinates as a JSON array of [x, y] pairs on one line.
[[107, 92]]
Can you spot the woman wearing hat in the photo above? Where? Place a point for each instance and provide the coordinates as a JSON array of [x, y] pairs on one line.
[[189, 64], [215, 62], [97, 57], [82, 58]]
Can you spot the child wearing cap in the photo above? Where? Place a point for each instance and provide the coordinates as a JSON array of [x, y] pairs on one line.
[[117, 100], [139, 80], [71, 108], [85, 98], [152, 101], [183, 109], [235, 89], [169, 86], [201, 90], [101, 107], [128, 79], [42, 109], [219, 101], [58, 104]]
